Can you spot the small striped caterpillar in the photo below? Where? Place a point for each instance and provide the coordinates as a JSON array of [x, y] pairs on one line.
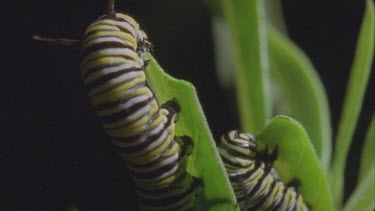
[[250, 173]]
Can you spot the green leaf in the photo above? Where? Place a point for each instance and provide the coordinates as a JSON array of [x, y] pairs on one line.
[[215, 7], [353, 100], [246, 22], [368, 156], [72, 208], [223, 52], [363, 197], [301, 91], [275, 15], [297, 160], [205, 162]]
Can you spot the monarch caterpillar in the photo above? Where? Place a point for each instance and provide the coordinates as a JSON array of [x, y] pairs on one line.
[[250, 174], [143, 132]]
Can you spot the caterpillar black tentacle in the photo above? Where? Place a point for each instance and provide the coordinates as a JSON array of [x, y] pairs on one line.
[[58, 41], [251, 169], [111, 14]]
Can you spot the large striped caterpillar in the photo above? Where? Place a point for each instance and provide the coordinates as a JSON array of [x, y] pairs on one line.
[[143, 132]]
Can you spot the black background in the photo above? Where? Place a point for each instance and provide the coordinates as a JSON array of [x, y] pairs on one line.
[[53, 154]]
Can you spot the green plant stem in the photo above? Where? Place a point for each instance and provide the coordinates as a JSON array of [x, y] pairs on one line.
[[354, 96], [246, 21]]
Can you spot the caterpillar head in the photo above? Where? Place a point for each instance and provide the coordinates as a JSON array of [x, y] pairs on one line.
[[243, 143], [144, 45]]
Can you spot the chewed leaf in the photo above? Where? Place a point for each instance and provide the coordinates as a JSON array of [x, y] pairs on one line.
[[204, 162], [297, 160]]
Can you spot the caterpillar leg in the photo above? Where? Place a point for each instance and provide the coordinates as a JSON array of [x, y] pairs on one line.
[[295, 183], [173, 107], [267, 157], [146, 63], [186, 144], [275, 153]]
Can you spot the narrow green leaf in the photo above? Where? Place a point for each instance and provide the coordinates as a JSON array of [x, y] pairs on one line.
[[353, 101], [205, 162], [363, 197], [246, 20], [297, 160], [368, 155], [275, 15], [223, 48], [72, 208], [302, 92]]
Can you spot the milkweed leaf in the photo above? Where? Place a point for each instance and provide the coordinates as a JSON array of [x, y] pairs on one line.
[[204, 162], [297, 160]]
